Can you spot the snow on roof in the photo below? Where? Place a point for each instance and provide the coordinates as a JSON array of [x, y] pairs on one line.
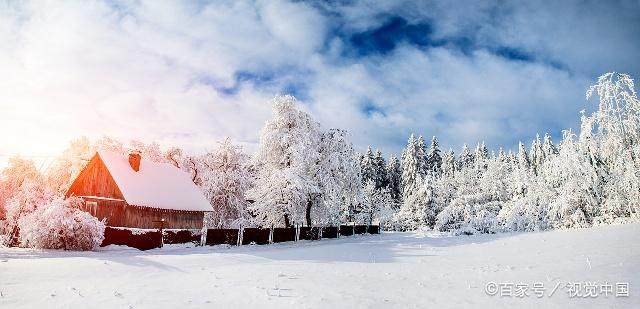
[[156, 185]]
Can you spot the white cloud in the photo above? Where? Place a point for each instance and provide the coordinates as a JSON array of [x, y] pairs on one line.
[[153, 70]]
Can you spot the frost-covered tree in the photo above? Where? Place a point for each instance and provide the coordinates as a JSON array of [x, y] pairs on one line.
[[449, 163], [611, 138], [523, 157], [418, 206], [377, 205], [225, 182], [481, 156], [422, 155], [30, 195], [577, 185], [66, 167], [434, 158], [548, 148], [368, 166], [341, 178], [536, 154], [394, 174], [412, 165], [287, 161], [14, 175], [381, 179], [466, 157]]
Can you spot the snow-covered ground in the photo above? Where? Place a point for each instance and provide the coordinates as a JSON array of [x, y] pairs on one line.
[[401, 270]]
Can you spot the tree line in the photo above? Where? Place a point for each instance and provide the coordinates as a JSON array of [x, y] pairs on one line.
[[304, 174]]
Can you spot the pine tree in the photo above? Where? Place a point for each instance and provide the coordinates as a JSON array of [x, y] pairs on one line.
[[449, 163], [548, 147], [502, 156], [466, 157], [523, 158], [368, 167], [481, 156], [536, 155], [422, 155], [381, 179], [434, 159], [412, 165], [394, 175]]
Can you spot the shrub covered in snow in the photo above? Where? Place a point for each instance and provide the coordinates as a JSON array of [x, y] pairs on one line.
[[58, 224], [469, 215]]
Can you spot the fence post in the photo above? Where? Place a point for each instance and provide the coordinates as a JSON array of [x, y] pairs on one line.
[[203, 236], [271, 235]]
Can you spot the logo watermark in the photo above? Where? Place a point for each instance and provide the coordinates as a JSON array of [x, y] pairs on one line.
[[585, 289]]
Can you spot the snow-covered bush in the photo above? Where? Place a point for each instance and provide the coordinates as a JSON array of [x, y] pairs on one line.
[[30, 195], [469, 215], [528, 212], [377, 205], [58, 224]]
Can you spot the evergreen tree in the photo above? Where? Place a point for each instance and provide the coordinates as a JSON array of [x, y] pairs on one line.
[[536, 155], [368, 167], [434, 159], [381, 179], [481, 156], [422, 155], [394, 176], [502, 156], [412, 165], [523, 158], [466, 157], [548, 147], [449, 163]]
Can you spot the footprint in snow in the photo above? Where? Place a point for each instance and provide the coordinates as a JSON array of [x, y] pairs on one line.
[[117, 294]]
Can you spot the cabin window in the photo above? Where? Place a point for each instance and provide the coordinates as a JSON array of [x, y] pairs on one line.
[[91, 207]]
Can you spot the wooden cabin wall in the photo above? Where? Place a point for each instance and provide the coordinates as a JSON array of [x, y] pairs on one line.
[[95, 180], [144, 217], [118, 213]]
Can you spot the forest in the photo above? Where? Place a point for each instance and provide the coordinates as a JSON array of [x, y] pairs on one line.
[[305, 174]]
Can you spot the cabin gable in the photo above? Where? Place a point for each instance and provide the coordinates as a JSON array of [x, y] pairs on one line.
[[95, 180]]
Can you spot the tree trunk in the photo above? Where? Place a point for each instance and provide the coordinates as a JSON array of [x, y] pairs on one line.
[[286, 221], [308, 216]]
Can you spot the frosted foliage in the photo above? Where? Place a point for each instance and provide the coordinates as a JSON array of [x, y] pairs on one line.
[[292, 176], [377, 206], [418, 208], [16, 174], [469, 215], [225, 183], [412, 165], [339, 178], [58, 224]]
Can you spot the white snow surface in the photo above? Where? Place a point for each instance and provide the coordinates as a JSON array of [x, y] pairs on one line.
[[391, 270], [156, 185]]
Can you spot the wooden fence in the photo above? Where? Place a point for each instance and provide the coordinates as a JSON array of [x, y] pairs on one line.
[[145, 239]]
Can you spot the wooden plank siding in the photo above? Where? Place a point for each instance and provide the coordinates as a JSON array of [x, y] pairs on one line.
[[95, 180], [104, 200]]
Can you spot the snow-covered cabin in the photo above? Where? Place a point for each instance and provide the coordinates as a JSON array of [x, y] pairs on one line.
[[130, 191]]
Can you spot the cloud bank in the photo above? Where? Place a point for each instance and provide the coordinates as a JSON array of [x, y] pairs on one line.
[[191, 73]]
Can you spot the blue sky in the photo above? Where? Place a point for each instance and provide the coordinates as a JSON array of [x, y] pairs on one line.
[[189, 74]]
